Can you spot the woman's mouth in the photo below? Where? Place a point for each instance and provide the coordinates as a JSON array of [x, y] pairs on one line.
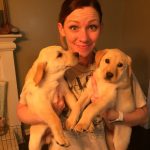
[[85, 46]]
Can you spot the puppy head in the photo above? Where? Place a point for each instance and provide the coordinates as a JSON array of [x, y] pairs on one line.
[[113, 65], [53, 61]]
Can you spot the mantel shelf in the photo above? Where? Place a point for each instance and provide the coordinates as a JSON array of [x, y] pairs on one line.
[[7, 41], [10, 35]]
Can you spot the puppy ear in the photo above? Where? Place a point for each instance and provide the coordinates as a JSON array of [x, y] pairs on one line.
[[39, 74], [99, 55], [129, 69]]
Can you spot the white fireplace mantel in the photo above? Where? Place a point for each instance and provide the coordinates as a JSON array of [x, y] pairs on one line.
[[7, 41], [8, 74]]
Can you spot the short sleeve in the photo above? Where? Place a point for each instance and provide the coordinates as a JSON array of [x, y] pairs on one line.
[[139, 96]]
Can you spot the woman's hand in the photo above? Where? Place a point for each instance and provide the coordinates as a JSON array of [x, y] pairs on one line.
[[109, 116]]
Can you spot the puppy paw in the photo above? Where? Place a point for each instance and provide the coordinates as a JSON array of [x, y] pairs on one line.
[[69, 124], [80, 128], [91, 128], [62, 141]]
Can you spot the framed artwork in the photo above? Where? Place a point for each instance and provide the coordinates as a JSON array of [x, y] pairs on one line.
[[5, 26], [1, 13]]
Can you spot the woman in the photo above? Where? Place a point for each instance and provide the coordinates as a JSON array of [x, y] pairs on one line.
[[80, 27]]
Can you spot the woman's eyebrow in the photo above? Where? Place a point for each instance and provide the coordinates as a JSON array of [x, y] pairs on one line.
[[93, 20], [76, 21]]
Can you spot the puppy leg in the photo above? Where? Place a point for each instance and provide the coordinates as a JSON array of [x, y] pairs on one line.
[[77, 109], [73, 117], [123, 132], [109, 139], [55, 146], [36, 133], [45, 111], [47, 137], [91, 127], [69, 96], [90, 112], [55, 125]]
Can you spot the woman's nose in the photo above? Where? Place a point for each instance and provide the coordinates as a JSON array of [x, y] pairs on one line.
[[83, 35]]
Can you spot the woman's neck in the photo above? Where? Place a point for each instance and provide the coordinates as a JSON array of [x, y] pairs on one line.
[[87, 60]]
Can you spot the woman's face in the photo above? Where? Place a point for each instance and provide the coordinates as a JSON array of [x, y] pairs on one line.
[[81, 30]]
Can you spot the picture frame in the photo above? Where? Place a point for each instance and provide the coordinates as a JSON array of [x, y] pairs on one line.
[[5, 26], [1, 13]]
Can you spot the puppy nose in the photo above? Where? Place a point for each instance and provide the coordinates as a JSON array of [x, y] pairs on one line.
[[109, 75], [76, 54]]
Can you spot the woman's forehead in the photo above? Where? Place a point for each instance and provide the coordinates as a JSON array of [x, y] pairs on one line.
[[83, 14]]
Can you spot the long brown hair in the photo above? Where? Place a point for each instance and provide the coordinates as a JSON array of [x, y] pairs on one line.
[[70, 5]]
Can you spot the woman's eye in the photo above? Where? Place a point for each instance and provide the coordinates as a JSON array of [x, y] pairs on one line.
[[73, 27], [93, 27]]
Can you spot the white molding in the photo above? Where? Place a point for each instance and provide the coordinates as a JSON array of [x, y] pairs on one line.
[[7, 41], [8, 74], [7, 46], [10, 36]]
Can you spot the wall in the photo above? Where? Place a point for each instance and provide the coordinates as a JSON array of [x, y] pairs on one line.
[[126, 26], [136, 34], [37, 21]]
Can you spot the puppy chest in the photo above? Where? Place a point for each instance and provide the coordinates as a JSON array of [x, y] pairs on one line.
[[105, 92], [39, 96]]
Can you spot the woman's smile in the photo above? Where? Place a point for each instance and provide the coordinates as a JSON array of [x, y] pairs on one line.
[[81, 33]]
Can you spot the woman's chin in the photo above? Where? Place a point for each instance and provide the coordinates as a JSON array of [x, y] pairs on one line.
[[84, 52], [84, 55]]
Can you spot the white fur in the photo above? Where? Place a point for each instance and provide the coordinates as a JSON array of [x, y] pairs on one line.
[[44, 83], [114, 92]]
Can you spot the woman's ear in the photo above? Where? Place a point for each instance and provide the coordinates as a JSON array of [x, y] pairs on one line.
[[61, 29], [62, 36]]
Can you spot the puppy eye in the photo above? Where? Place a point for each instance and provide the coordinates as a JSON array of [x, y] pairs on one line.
[[59, 55], [107, 61], [120, 65]]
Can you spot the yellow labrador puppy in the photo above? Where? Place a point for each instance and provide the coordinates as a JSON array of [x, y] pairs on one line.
[[44, 90], [109, 87]]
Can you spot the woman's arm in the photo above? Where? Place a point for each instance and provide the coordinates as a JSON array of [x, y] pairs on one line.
[[27, 116], [137, 117]]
